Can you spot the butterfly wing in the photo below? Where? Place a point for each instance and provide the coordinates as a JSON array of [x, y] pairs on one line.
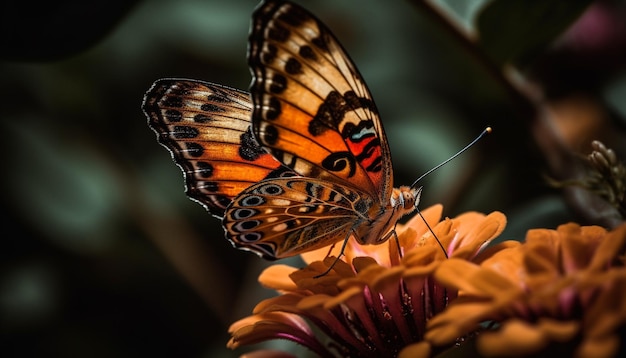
[[329, 170], [206, 127], [287, 216], [312, 109]]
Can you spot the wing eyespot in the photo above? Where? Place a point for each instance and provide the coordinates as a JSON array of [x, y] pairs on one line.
[[241, 214], [250, 237], [251, 200], [246, 225], [270, 189]]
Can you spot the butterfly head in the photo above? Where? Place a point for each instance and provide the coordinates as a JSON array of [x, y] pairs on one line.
[[405, 199]]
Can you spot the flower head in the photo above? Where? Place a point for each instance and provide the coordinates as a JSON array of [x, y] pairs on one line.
[[562, 289], [374, 301]]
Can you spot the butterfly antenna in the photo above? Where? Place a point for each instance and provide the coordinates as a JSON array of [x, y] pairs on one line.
[[432, 232], [482, 134]]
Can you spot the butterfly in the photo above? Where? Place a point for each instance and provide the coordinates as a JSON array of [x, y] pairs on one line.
[[300, 163]]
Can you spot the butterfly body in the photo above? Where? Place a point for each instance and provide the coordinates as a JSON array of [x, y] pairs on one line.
[[301, 163], [381, 220]]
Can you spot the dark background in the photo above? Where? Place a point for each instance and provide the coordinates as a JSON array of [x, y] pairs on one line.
[[102, 253]]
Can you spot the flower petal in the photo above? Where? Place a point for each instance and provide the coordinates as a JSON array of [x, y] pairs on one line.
[[375, 300], [575, 248], [277, 277], [456, 321], [485, 229], [432, 215], [416, 350], [470, 279], [610, 249], [259, 328], [519, 338]]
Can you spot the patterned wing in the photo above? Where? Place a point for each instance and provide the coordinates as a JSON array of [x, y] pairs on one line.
[[206, 127], [288, 216], [312, 110]]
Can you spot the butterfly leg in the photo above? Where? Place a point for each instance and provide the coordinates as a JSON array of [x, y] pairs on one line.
[[332, 247], [343, 247], [395, 236]]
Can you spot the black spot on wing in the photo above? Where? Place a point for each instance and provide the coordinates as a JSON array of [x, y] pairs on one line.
[[205, 170], [269, 54], [217, 98], [172, 101], [185, 132], [307, 52], [172, 115], [278, 32], [279, 83], [332, 112], [249, 150], [194, 149], [210, 107], [274, 109], [294, 16], [201, 118], [293, 66], [269, 134], [211, 186], [320, 43]]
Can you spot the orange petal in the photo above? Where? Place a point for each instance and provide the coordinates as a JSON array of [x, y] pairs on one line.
[[611, 247], [307, 303], [544, 237], [456, 321], [320, 254], [599, 347], [507, 248], [472, 279], [432, 215], [576, 251], [386, 278], [286, 302], [343, 297], [524, 338], [484, 229], [258, 328], [277, 277], [416, 350], [422, 255], [513, 336], [540, 259], [608, 311]]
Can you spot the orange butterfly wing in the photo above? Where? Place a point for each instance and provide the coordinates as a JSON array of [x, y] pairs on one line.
[[312, 109], [304, 164], [206, 127], [283, 217], [313, 112]]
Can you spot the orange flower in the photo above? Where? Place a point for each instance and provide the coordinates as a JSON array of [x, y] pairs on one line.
[[562, 290], [373, 302]]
